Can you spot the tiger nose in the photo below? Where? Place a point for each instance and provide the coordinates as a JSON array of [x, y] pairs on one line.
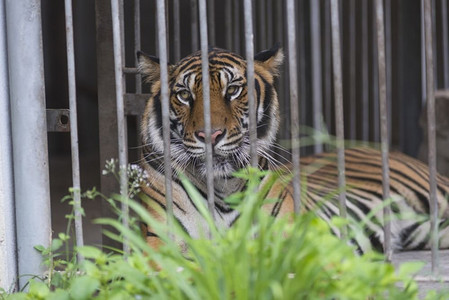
[[215, 137]]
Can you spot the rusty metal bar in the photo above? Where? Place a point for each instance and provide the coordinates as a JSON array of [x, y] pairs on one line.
[[431, 133], [162, 36], [388, 250], [117, 27], [338, 94], [206, 107], [249, 46], [194, 24], [73, 127], [294, 105], [317, 98]]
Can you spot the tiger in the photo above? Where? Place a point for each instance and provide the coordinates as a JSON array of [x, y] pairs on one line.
[[229, 115]]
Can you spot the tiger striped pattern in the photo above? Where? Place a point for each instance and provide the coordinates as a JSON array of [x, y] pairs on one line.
[[230, 140]]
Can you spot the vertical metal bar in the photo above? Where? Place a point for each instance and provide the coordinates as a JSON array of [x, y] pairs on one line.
[[269, 17], [73, 126], [328, 67], [211, 21], [388, 66], [107, 116], [237, 26], [176, 30], [29, 133], [262, 24], [375, 78], [137, 43], [338, 94], [423, 57], [365, 68], [162, 36], [302, 62], [8, 257], [315, 36], [352, 72], [116, 7], [206, 107], [431, 133], [249, 46], [445, 41], [228, 24], [294, 107], [194, 24], [384, 127]]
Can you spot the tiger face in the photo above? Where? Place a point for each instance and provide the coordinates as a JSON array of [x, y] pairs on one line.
[[229, 110]]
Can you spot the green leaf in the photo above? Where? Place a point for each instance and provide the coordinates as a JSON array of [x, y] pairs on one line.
[[90, 252], [40, 248], [56, 244], [83, 287]]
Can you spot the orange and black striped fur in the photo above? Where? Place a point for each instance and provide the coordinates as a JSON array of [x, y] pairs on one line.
[[230, 139]]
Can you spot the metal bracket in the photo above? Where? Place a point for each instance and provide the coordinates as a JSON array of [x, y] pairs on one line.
[[58, 120]]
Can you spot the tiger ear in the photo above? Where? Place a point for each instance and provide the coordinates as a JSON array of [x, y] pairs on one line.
[[149, 66], [271, 59]]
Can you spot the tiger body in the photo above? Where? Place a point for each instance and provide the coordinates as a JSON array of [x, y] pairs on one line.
[[230, 140]]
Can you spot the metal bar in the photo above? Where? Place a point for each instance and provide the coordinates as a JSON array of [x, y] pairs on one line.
[[8, 254], [74, 127], [317, 98], [206, 107], [116, 6], [262, 25], [237, 26], [162, 36], [137, 43], [29, 133], [388, 250], [58, 120], [327, 67], [107, 116], [365, 69], [303, 76], [388, 55], [338, 94], [375, 78], [294, 105], [352, 72], [423, 57], [194, 24], [249, 46], [210, 16], [431, 133], [445, 42], [176, 30], [228, 24], [269, 17]]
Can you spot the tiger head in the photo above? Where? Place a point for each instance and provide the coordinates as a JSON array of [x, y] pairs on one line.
[[228, 108]]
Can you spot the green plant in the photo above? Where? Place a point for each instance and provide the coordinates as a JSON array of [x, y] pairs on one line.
[[260, 257]]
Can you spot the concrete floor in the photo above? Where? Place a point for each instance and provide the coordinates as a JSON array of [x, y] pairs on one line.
[[425, 256]]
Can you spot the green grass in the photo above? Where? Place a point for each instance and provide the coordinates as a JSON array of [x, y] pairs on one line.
[[260, 257]]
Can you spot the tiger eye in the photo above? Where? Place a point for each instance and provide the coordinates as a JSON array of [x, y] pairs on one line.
[[184, 95], [232, 90]]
